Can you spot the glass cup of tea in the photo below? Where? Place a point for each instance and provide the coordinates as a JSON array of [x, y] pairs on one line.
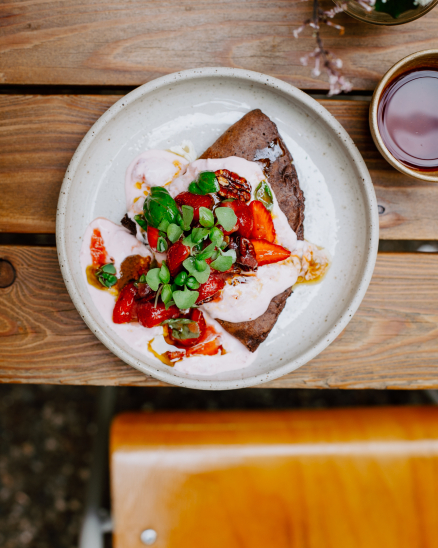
[[404, 116]]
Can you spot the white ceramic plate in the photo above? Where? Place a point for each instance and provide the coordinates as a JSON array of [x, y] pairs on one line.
[[341, 208]]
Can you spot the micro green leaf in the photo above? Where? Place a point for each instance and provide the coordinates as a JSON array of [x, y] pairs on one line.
[[181, 278], [206, 253], [110, 268], [163, 225], [206, 217], [169, 304], [185, 299], [222, 263], [174, 232], [199, 234], [183, 328], [226, 217], [140, 220], [164, 274], [192, 283], [200, 265], [263, 193], [153, 278], [216, 236], [230, 253], [201, 277], [161, 245], [188, 241], [187, 216], [166, 293]]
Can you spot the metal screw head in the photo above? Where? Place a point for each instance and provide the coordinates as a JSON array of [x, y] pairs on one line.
[[148, 536]]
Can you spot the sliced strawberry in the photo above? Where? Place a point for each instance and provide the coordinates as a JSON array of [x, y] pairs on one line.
[[97, 249], [211, 347], [150, 315], [210, 288], [268, 253], [176, 255], [263, 228], [123, 310], [208, 349], [196, 201], [153, 235], [243, 213]]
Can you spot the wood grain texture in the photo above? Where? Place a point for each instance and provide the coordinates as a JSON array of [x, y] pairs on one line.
[[392, 342], [333, 478], [39, 134], [103, 42]]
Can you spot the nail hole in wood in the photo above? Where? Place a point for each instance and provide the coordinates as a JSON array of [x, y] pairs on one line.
[[7, 273], [381, 209]]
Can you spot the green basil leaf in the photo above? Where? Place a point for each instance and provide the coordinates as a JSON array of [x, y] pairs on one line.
[[153, 278], [158, 206], [263, 193], [206, 217], [174, 232], [166, 293], [185, 299], [161, 245], [169, 304], [187, 215], [201, 277], [200, 265], [226, 217], [199, 234], [206, 253], [110, 268], [163, 225], [222, 263], [207, 182], [216, 236], [142, 279], [164, 274], [140, 220], [194, 188]]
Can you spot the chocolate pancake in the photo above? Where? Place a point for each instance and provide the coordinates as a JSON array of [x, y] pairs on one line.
[[256, 138]]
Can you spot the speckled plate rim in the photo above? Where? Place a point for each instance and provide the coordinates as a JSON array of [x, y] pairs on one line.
[[344, 140]]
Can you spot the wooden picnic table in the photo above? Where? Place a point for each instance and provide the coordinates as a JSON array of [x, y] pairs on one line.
[[62, 64]]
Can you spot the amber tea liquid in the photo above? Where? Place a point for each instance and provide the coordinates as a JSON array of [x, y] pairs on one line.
[[408, 119]]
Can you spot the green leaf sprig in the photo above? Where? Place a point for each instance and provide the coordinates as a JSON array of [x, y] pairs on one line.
[[205, 184], [263, 193], [106, 275]]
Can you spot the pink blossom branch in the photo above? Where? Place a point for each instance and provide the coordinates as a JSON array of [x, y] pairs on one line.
[[322, 57]]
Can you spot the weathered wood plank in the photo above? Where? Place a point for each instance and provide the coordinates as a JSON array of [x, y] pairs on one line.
[[98, 42], [39, 134], [392, 342]]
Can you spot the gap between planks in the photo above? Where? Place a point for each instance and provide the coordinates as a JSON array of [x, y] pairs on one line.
[[392, 341], [39, 134]]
